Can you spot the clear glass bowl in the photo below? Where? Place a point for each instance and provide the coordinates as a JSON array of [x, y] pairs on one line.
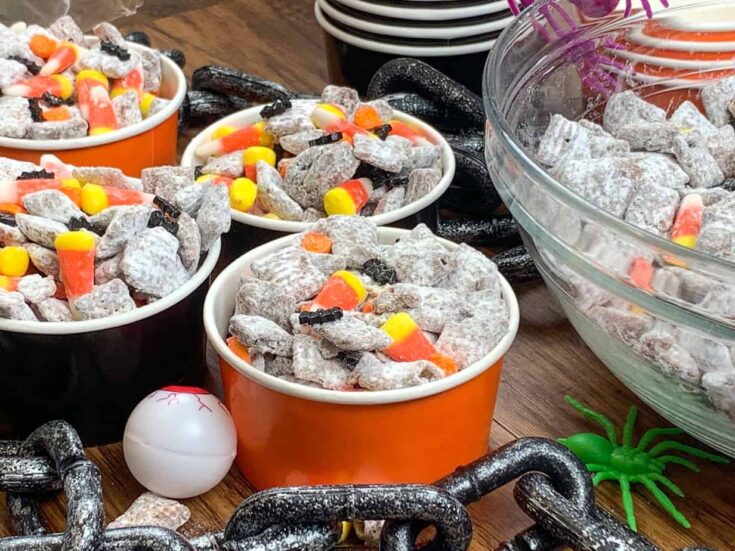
[[674, 343]]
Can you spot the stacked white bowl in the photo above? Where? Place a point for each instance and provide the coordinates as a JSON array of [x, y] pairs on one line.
[[452, 35]]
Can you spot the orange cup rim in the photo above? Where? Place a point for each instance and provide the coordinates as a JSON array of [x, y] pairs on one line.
[[117, 135], [218, 288]]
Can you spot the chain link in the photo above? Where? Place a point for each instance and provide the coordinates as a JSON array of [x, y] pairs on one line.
[[553, 488]]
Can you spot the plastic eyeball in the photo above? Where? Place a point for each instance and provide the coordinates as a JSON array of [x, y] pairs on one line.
[[180, 442]]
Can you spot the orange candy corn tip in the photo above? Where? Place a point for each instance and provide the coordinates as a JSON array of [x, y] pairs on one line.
[[317, 242], [239, 350], [688, 222], [404, 130], [75, 250], [367, 117], [343, 290], [411, 344]]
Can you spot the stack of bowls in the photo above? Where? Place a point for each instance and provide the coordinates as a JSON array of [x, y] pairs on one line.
[[521, 93], [452, 35]]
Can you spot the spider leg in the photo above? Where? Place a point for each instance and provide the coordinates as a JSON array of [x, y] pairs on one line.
[[545, 11], [647, 7], [628, 8], [514, 8], [607, 79], [564, 15], [649, 436], [597, 468], [664, 459], [628, 503], [599, 418], [661, 447], [603, 476], [661, 479], [629, 426], [664, 500]]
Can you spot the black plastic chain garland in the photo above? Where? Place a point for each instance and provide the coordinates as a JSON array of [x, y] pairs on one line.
[[553, 488]]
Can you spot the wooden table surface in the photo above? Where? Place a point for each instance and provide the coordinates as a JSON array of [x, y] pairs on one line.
[[279, 39]]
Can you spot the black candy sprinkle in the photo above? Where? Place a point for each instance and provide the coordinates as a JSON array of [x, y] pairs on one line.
[[380, 177], [383, 131], [318, 317], [327, 139], [113, 49], [167, 208], [158, 219], [380, 272], [81, 223], [32, 68], [198, 172], [35, 109], [36, 175], [350, 359], [55, 101], [278, 150], [7, 218], [276, 108]]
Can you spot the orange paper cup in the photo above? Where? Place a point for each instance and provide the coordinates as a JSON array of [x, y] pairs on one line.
[[291, 434], [151, 142]]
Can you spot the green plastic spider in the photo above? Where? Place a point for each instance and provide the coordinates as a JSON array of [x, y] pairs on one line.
[[629, 464]]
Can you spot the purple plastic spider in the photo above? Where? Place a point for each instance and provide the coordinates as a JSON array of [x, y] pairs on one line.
[[592, 65], [594, 8]]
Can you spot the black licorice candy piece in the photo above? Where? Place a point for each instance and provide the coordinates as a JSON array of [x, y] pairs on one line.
[[31, 67], [379, 177], [334, 137], [318, 317], [350, 359], [380, 272], [113, 49], [278, 107], [36, 175], [7, 218], [55, 101], [35, 109], [167, 208], [81, 223], [383, 131], [158, 219]]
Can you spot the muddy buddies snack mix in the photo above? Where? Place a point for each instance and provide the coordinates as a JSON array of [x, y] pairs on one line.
[[311, 158], [88, 243], [338, 310], [58, 84]]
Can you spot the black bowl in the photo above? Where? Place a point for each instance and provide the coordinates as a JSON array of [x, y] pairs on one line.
[[94, 373], [354, 66]]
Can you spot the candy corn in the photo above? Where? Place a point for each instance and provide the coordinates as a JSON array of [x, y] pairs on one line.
[[348, 198], [75, 250], [641, 273], [411, 344], [132, 81], [42, 45], [239, 350], [52, 163], [11, 208], [330, 118], [13, 191], [56, 114], [243, 193], [402, 129], [688, 221], [367, 117], [8, 283], [317, 242], [64, 56], [342, 290], [95, 102], [258, 153], [14, 261], [222, 131], [96, 198], [35, 87], [242, 138]]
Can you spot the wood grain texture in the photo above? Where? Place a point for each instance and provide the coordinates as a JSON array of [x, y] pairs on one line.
[[279, 39]]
